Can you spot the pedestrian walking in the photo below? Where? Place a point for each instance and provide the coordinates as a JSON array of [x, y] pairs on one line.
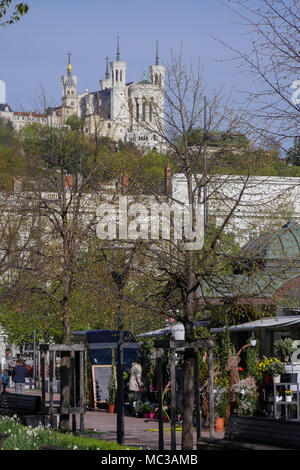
[[19, 375], [136, 385], [4, 381]]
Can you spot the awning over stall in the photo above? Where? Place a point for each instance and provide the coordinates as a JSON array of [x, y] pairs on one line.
[[273, 322]]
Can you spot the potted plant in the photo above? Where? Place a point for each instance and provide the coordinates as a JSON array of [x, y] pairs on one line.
[[152, 412], [147, 409], [220, 402], [244, 397], [275, 369], [288, 396], [284, 348], [270, 369]]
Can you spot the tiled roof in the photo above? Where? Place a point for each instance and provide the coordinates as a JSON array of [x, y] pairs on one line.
[[32, 114]]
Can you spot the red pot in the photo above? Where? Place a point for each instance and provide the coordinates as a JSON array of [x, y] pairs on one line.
[[111, 408], [219, 424]]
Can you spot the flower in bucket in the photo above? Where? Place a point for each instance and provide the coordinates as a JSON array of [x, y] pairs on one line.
[[220, 400], [269, 366], [244, 394], [288, 393]]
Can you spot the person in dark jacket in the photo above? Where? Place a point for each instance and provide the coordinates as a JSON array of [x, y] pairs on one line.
[[19, 375]]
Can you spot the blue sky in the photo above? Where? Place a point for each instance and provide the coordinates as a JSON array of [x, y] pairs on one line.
[[34, 51]]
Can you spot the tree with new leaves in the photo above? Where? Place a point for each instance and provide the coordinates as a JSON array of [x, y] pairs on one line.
[[183, 277], [19, 9]]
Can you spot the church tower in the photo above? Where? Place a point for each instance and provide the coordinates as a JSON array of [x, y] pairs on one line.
[[118, 88], [157, 71], [105, 84], [69, 93]]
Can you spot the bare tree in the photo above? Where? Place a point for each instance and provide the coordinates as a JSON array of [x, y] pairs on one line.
[[182, 273], [272, 60]]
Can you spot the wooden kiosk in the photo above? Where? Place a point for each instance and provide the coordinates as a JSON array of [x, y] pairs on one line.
[[76, 381]]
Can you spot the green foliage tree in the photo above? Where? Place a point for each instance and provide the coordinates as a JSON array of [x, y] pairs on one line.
[[293, 154], [19, 10]]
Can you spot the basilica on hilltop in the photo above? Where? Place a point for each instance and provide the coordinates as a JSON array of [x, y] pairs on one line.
[[130, 112]]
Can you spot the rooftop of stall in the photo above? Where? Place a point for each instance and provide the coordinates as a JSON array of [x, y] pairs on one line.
[[100, 344]]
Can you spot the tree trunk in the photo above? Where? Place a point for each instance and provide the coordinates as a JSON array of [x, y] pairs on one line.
[[65, 366], [65, 390], [189, 364], [188, 399]]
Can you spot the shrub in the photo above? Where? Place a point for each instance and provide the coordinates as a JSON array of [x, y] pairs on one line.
[[27, 438], [244, 396], [284, 348]]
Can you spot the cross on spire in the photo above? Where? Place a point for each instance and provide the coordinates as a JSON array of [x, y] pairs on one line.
[[156, 58], [118, 49]]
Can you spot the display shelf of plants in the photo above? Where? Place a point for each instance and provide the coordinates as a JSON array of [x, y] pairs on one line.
[[284, 396]]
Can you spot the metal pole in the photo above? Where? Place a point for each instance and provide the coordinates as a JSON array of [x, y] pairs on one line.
[[211, 392], [34, 357], [81, 376], [120, 394], [173, 399], [197, 397], [160, 401], [74, 397], [51, 374], [43, 366], [120, 376]]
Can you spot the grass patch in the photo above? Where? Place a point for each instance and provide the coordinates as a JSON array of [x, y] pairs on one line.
[[27, 438]]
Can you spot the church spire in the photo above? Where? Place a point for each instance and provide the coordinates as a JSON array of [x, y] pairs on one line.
[[107, 71], [118, 49], [156, 58], [69, 63]]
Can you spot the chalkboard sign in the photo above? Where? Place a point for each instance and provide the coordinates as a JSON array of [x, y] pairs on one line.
[[101, 376]]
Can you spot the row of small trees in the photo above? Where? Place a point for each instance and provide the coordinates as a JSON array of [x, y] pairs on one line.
[[53, 262]]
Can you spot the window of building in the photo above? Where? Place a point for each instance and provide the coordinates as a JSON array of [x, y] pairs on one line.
[[137, 110], [117, 75], [121, 75], [144, 112]]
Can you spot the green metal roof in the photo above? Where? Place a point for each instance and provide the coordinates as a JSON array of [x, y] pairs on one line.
[[281, 245], [280, 250]]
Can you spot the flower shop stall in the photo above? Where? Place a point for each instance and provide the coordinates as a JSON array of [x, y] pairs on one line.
[[278, 370]]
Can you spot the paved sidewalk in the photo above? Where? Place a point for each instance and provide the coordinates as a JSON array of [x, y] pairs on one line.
[[138, 431]]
